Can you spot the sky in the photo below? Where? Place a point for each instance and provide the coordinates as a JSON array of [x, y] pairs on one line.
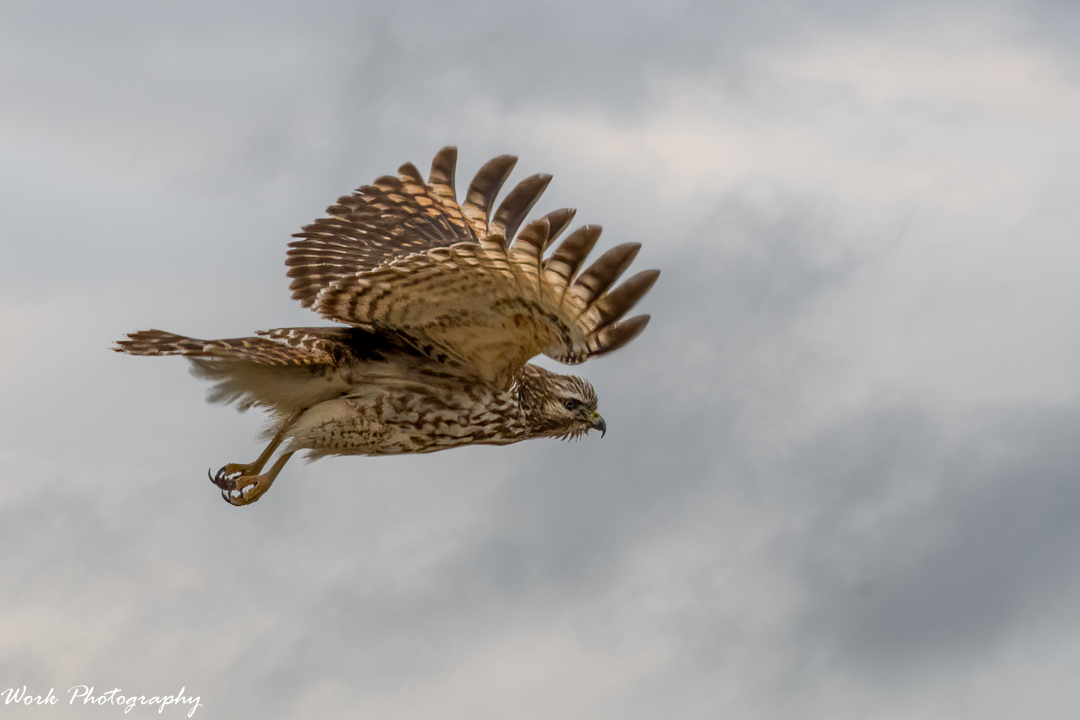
[[842, 472]]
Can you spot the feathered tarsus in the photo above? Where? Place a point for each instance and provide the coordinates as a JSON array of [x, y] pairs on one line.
[[443, 305]]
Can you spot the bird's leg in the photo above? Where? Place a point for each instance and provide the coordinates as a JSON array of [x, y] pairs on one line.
[[235, 479], [246, 489]]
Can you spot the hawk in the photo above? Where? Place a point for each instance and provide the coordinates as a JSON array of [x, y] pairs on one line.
[[442, 306]]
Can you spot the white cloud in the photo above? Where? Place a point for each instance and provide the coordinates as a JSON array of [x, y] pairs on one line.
[[838, 473]]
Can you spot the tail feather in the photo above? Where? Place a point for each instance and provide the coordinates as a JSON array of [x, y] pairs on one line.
[[159, 342], [252, 371], [259, 350]]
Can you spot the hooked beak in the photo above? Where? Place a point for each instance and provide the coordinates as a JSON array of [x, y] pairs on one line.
[[599, 424]]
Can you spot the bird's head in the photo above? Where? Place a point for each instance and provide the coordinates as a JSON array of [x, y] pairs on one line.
[[561, 406]]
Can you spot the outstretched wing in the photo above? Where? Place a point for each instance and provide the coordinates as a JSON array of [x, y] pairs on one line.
[[401, 216], [404, 255]]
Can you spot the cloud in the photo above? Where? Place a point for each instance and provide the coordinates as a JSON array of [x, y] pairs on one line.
[[837, 478]]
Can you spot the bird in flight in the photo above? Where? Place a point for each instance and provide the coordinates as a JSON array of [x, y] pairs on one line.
[[442, 305]]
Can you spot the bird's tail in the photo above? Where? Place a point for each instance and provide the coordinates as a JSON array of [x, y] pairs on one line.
[[248, 371], [259, 350], [159, 342]]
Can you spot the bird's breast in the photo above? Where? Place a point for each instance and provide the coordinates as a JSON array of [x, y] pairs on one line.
[[391, 416]]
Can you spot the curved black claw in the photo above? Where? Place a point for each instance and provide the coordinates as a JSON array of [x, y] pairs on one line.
[[223, 480], [227, 479], [241, 484]]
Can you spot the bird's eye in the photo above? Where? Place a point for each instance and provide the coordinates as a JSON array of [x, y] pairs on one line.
[[570, 404]]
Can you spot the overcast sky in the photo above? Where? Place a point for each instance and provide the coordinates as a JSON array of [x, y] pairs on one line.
[[842, 478]]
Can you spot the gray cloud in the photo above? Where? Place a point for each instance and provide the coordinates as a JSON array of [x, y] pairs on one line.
[[954, 573]]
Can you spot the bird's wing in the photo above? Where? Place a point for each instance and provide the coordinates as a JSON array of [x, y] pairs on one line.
[[403, 255]]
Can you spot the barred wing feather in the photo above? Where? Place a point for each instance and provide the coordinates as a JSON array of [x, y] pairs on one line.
[[403, 255]]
